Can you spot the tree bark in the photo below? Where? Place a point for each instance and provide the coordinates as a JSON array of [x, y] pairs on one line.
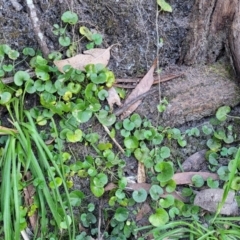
[[213, 23], [234, 40], [199, 93]]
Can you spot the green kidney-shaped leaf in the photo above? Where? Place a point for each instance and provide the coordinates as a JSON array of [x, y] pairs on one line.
[[96, 190], [75, 136], [103, 94], [42, 74], [12, 54], [64, 41], [141, 154], [97, 38], [207, 130], [136, 119], [76, 197], [98, 78], [69, 17], [160, 218], [155, 192], [128, 125], [164, 152], [30, 88], [121, 214], [2, 73], [212, 184], [164, 5], [166, 171], [140, 195], [57, 182], [86, 32], [5, 97], [105, 118], [173, 212], [7, 68], [131, 142], [100, 180], [236, 183], [198, 180], [28, 51], [167, 201], [82, 116], [170, 185], [214, 144], [67, 222], [222, 112], [20, 77]]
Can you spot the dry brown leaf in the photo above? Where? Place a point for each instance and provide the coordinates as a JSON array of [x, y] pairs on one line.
[[92, 56], [209, 200], [110, 187], [50, 141], [143, 211], [141, 176], [143, 86], [138, 186], [29, 192], [6, 131], [113, 98], [186, 177]]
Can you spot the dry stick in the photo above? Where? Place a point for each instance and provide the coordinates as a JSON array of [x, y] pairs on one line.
[[113, 139], [36, 28], [99, 220], [164, 79], [24, 235], [126, 106]]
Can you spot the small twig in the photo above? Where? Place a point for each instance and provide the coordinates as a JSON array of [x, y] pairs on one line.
[[167, 78], [24, 235], [36, 27], [136, 80], [126, 106], [113, 139], [126, 80], [99, 219]]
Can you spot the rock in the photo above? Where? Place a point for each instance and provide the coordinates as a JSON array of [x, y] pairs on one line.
[[194, 162], [209, 199]]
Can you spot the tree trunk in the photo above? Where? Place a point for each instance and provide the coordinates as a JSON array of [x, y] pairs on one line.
[[214, 22], [234, 40]]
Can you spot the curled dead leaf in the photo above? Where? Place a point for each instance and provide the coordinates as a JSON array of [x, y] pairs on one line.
[[143, 86], [7, 131], [113, 98], [141, 176], [92, 56], [143, 211], [109, 187]]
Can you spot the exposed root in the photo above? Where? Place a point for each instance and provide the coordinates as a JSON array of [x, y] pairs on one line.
[[36, 28]]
